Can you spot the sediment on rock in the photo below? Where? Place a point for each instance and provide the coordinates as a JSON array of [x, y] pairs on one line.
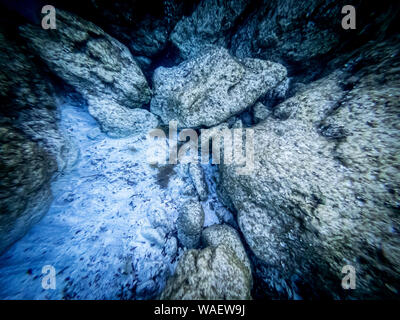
[[209, 274], [318, 191], [32, 146], [209, 88]]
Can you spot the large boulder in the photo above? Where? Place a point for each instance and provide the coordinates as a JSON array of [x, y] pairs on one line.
[[218, 234], [278, 30], [212, 87], [324, 190], [25, 170], [209, 274], [32, 148], [305, 35], [94, 63], [208, 25], [119, 121], [89, 59]]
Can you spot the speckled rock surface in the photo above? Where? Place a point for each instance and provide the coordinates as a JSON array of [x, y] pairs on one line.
[[208, 25], [144, 27], [95, 64], [118, 121], [190, 223], [32, 147], [261, 112], [324, 192], [210, 88], [90, 60], [303, 36], [218, 234], [324, 106], [209, 274], [197, 176]]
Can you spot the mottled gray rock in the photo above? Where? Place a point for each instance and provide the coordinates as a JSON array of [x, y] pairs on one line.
[[261, 112], [324, 190], [212, 87], [95, 64], [150, 38], [87, 58], [25, 171], [32, 148], [197, 175], [218, 234], [209, 274], [190, 223], [208, 25], [144, 27], [304, 35], [118, 121]]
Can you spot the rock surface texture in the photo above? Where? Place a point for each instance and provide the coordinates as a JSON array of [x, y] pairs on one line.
[[32, 147], [212, 87], [323, 193], [118, 121], [99, 67], [209, 274], [190, 224], [83, 189], [304, 36], [144, 27], [197, 175], [218, 234], [207, 26]]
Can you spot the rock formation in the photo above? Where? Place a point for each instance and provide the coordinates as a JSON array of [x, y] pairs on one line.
[[197, 175], [218, 234], [99, 67], [207, 26], [78, 100], [32, 147], [209, 274], [190, 224], [209, 89], [321, 195]]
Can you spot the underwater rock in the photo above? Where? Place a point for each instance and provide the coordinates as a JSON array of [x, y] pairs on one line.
[[212, 87], [90, 60], [303, 36], [197, 175], [218, 234], [118, 121], [317, 201], [190, 224], [32, 146], [261, 112], [209, 274], [208, 25], [97, 66], [143, 27], [324, 192]]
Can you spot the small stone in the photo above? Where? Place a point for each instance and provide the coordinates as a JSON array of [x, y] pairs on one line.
[[190, 224], [210, 274]]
